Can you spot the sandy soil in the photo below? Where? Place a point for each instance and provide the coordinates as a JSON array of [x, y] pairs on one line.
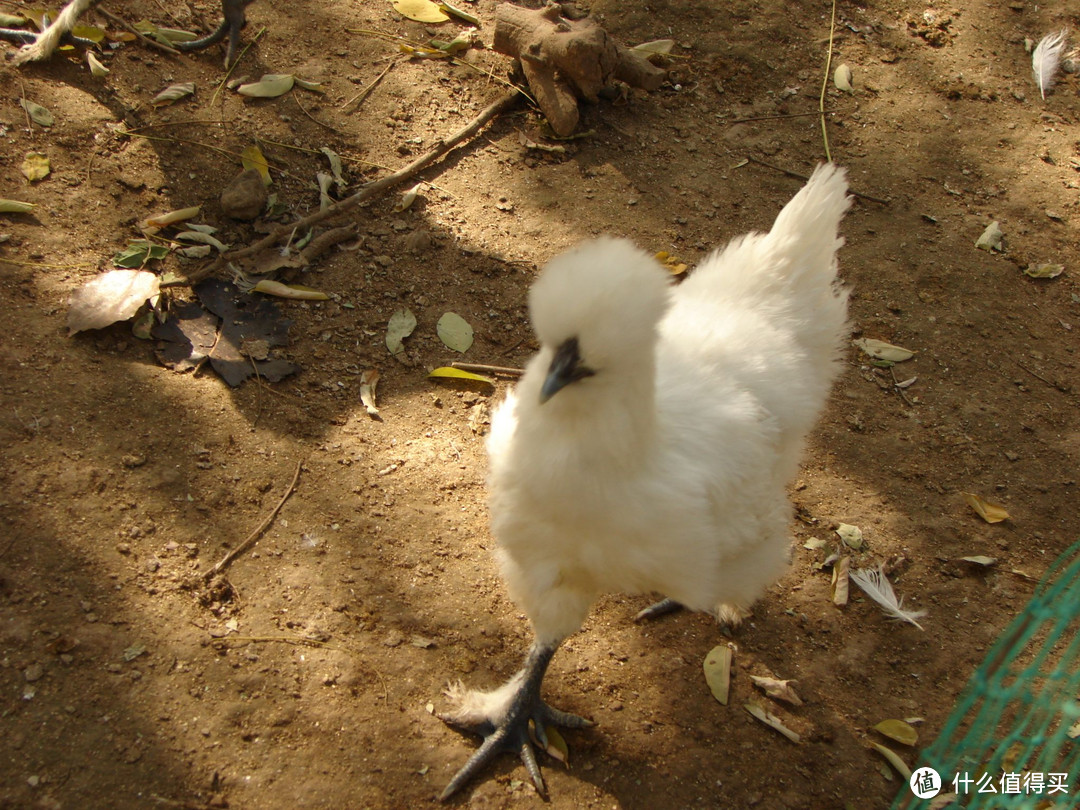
[[306, 677]]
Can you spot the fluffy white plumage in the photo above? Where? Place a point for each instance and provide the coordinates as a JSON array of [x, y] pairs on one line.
[[648, 444], [665, 470], [1046, 59]]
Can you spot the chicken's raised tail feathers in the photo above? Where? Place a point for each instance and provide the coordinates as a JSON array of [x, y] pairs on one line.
[[806, 230]]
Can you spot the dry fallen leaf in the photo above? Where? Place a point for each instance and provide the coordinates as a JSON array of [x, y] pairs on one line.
[[423, 11], [840, 581], [772, 721], [778, 689], [35, 166], [717, 668], [851, 535], [113, 296], [369, 378], [990, 512], [881, 350], [173, 93], [898, 730], [980, 559], [842, 79], [253, 158], [894, 760]]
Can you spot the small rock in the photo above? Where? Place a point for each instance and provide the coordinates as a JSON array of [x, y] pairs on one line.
[[245, 197], [34, 672]]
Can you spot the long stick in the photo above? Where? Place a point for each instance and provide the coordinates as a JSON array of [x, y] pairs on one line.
[[368, 191], [250, 541]]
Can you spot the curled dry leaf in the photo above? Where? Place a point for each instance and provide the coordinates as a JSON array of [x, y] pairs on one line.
[[990, 512], [408, 198], [203, 239], [152, 225], [778, 689], [840, 581], [325, 182], [717, 666], [880, 350], [461, 15], [296, 292], [369, 378], [992, 238], [1044, 270], [173, 93], [893, 759], [97, 70], [979, 559], [842, 79], [113, 296], [772, 721]]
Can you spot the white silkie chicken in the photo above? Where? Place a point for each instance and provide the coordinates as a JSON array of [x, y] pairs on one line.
[[648, 444]]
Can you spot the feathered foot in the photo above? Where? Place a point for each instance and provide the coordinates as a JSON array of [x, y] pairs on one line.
[[502, 719]]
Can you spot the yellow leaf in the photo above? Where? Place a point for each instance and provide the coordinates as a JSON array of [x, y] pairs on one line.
[[15, 207], [449, 373], [421, 10], [152, 225], [898, 730], [556, 745], [35, 166], [253, 158], [990, 512], [717, 668]]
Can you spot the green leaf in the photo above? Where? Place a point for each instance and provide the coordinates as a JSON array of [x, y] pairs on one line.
[[139, 252], [455, 332]]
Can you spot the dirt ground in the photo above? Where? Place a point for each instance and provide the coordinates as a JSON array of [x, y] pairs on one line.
[[307, 677]]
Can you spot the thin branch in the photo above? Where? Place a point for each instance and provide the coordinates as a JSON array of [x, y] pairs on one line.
[[804, 178], [149, 43], [250, 541], [363, 94], [366, 192], [481, 368]]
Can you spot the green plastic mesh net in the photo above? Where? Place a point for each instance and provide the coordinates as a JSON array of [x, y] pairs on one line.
[[1015, 729]]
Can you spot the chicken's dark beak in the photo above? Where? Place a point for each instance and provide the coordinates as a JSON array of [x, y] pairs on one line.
[[566, 367]]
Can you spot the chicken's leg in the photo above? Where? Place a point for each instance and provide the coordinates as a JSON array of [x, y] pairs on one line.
[[662, 608], [502, 719]]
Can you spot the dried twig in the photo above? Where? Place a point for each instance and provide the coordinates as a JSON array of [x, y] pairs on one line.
[[250, 541], [804, 178], [358, 99], [368, 191], [481, 368], [149, 43]]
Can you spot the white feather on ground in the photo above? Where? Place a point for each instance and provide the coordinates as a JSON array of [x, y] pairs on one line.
[[1046, 59], [876, 585], [648, 445]]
